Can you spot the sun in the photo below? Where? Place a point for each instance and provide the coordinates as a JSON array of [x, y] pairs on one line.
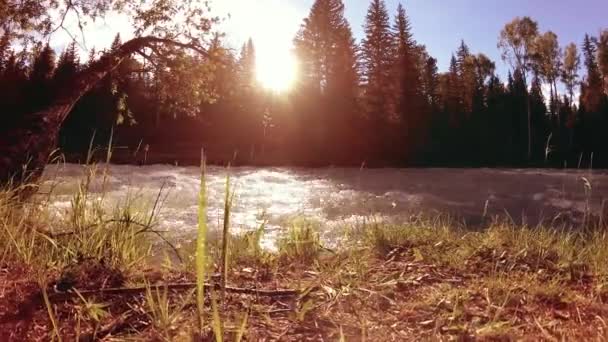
[[271, 24], [276, 70]]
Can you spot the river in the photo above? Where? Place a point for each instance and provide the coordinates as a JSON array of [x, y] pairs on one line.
[[334, 196]]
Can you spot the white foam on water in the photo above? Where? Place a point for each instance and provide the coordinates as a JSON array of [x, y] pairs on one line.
[[332, 196]]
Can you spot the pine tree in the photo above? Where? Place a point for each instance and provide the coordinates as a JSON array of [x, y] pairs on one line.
[[5, 55], [602, 57], [453, 101], [110, 82], [100, 111], [328, 88], [410, 101], [430, 82], [13, 81], [540, 123], [221, 115], [43, 65], [467, 77], [403, 32], [324, 43], [378, 58], [499, 126], [91, 57], [521, 119], [463, 53], [247, 64], [592, 87], [5, 50], [251, 115], [431, 86], [67, 66], [40, 78]]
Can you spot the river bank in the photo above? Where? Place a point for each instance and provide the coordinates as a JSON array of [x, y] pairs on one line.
[[387, 283], [107, 269]]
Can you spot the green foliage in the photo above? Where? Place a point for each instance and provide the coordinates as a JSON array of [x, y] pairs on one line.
[[28, 19]]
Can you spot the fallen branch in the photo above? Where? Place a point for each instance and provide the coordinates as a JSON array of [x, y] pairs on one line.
[[180, 286]]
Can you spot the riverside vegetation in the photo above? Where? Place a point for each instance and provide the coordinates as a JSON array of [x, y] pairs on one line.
[[99, 273]]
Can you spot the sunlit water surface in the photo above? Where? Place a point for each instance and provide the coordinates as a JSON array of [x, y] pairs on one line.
[[337, 196]]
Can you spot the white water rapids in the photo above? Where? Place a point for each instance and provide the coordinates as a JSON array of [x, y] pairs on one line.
[[336, 195]]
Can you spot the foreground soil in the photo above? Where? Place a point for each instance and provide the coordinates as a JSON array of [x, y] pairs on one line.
[[359, 295]]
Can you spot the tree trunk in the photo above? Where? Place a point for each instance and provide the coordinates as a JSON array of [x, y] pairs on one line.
[[529, 105], [529, 110], [557, 99], [25, 148]]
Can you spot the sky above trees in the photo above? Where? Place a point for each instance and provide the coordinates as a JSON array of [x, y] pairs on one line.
[[438, 24]]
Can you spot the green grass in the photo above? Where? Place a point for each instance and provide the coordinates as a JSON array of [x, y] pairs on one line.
[[32, 235], [228, 202], [201, 248], [165, 311], [301, 242], [447, 243]]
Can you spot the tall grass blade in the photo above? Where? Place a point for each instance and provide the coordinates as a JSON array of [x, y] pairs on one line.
[[241, 332], [90, 150], [104, 181], [217, 321], [49, 309], [225, 234], [201, 245], [109, 151], [342, 338]]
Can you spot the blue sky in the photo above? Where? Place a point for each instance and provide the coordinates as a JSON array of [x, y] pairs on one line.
[[441, 24]]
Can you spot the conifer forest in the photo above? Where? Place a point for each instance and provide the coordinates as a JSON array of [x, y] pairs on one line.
[[379, 100]]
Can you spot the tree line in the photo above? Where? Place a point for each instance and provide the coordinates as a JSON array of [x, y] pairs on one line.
[[380, 101]]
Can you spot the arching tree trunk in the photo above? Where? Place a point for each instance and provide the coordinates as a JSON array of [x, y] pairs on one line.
[[25, 147]]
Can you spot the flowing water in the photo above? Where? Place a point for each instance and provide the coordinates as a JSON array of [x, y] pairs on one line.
[[333, 196]]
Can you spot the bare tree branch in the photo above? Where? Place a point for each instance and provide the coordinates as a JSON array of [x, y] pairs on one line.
[[179, 286]]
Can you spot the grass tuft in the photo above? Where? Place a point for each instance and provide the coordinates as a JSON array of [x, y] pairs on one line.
[[301, 242]]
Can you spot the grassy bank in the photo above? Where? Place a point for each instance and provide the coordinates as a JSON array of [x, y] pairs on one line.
[[99, 273]]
